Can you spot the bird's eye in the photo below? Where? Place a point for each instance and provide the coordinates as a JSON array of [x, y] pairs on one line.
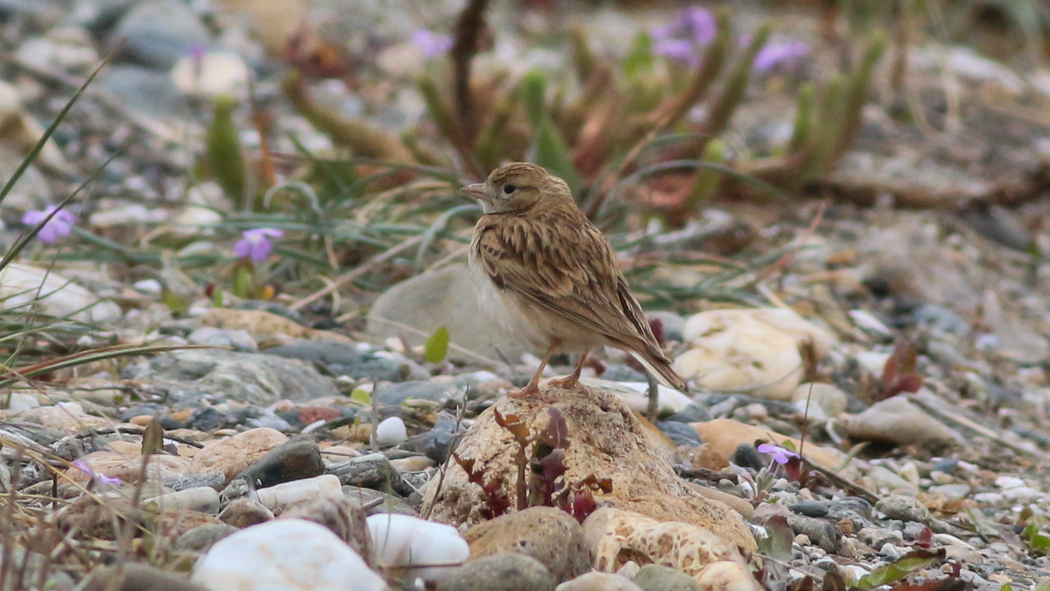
[[508, 189]]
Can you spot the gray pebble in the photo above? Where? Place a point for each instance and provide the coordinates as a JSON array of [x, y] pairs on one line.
[[654, 577], [503, 572], [215, 480], [820, 532], [345, 359], [680, 433], [426, 390], [904, 508]]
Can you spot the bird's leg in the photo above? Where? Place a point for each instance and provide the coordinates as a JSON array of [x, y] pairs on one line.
[[533, 386], [653, 410], [574, 379]]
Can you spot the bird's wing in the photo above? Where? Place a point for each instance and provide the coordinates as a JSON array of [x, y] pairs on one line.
[[566, 267]]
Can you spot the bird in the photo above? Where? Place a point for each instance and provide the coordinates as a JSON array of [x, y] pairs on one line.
[[548, 277]]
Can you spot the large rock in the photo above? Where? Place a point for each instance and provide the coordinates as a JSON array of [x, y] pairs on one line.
[[756, 350], [899, 420], [226, 375], [432, 300], [606, 441]]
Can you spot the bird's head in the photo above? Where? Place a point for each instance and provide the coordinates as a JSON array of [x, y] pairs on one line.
[[519, 187]]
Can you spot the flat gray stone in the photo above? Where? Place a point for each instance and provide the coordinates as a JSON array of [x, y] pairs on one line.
[[226, 375], [441, 298]]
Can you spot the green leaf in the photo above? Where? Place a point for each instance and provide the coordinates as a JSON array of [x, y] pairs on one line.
[[552, 153], [175, 302], [361, 395], [1038, 541], [906, 565], [225, 157], [243, 282], [641, 57], [437, 346], [534, 95]]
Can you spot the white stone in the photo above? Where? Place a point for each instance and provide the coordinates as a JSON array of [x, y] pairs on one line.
[[149, 286], [989, 498], [598, 581], [872, 361], [855, 572], [286, 493], [20, 284], [285, 555], [669, 400], [203, 499], [407, 541], [1022, 493], [17, 402], [741, 353], [889, 551], [910, 472], [1005, 482], [823, 400], [784, 320], [391, 431], [869, 323], [212, 75]]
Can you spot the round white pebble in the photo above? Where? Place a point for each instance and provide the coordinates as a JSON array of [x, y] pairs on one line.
[[391, 431], [285, 555], [403, 540]]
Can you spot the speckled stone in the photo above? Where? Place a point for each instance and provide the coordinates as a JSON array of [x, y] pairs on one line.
[[616, 536], [547, 534], [502, 572]]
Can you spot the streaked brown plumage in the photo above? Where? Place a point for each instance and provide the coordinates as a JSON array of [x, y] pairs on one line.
[[548, 276]]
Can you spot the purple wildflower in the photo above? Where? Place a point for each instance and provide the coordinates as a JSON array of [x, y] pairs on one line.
[[83, 466], [432, 44], [780, 55], [781, 455], [256, 244], [684, 38], [59, 225]]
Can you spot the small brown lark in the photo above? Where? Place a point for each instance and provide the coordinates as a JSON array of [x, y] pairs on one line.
[[548, 276]]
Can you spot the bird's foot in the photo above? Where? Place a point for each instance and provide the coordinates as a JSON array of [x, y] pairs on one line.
[[569, 383], [532, 393], [527, 393]]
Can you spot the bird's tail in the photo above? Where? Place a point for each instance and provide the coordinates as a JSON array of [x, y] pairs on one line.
[[660, 367]]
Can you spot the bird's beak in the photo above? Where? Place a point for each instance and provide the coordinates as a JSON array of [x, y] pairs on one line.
[[475, 191]]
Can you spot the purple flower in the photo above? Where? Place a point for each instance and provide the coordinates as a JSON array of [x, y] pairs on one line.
[[255, 244], [684, 38], [433, 44], [780, 55], [781, 455], [83, 466], [59, 225]]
